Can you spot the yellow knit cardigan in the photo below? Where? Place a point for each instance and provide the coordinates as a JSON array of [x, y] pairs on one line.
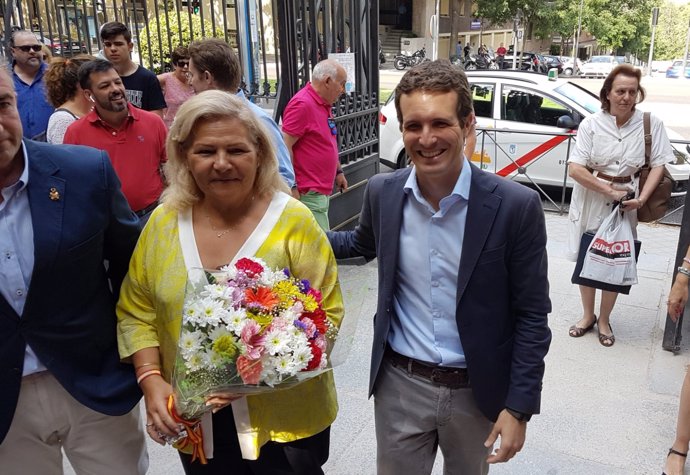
[[150, 309]]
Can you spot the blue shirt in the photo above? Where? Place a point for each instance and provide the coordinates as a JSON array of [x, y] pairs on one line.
[[427, 276], [34, 109], [17, 252], [284, 162]]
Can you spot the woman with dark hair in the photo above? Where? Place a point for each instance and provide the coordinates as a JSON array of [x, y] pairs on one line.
[[609, 152], [175, 85], [65, 94]]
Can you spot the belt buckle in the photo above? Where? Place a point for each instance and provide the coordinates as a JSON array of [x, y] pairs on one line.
[[436, 376]]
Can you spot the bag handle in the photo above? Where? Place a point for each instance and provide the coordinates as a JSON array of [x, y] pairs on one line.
[[647, 138]]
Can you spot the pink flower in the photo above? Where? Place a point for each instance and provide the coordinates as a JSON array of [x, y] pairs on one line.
[[249, 267], [253, 340], [250, 370]]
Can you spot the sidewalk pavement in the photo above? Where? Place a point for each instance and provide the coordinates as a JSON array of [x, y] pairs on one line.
[[604, 410]]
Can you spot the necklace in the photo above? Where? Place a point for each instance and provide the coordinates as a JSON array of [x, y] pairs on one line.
[[219, 232]]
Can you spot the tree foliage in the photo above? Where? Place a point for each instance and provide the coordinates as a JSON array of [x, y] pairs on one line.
[[672, 30], [166, 32]]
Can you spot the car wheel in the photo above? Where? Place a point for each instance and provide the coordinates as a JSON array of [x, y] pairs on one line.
[[399, 64], [568, 71], [404, 160]]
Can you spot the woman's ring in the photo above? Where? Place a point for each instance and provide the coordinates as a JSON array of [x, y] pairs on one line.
[[150, 425]]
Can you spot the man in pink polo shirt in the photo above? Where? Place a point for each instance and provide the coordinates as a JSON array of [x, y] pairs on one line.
[[133, 138], [311, 137]]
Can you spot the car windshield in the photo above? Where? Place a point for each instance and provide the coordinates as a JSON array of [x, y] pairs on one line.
[[677, 63], [580, 96], [600, 59]]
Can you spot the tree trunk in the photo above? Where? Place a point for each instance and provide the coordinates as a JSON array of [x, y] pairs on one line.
[[454, 26]]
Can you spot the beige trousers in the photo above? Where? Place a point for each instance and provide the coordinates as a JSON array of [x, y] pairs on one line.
[[48, 419]]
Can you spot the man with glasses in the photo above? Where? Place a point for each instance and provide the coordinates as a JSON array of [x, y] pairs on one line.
[[28, 69], [311, 136]]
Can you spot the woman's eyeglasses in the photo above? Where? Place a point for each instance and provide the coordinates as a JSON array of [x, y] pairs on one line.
[[183, 63], [331, 125], [27, 48]]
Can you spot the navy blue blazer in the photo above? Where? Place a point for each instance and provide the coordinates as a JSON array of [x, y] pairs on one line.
[[69, 317], [503, 288]]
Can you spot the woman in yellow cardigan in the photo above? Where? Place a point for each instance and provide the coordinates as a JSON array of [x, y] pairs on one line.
[[225, 201]]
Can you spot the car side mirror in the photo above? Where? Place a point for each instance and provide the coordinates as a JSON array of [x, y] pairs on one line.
[[566, 122]]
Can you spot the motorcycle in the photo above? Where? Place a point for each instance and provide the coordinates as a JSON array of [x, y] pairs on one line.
[[480, 61], [402, 61]]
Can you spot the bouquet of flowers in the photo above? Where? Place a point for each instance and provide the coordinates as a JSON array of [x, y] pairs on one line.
[[248, 329]]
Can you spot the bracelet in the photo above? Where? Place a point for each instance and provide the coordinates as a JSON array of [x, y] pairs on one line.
[[684, 271], [146, 374], [339, 172], [686, 260], [157, 365]]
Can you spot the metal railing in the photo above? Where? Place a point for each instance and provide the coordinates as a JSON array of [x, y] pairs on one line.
[[515, 169]]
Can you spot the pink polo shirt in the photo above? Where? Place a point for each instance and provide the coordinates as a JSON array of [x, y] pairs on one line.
[[136, 150], [315, 154]]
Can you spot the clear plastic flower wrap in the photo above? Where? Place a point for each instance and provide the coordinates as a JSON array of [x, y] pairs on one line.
[[248, 329]]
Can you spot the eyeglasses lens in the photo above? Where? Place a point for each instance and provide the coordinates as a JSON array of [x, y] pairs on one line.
[[27, 48]]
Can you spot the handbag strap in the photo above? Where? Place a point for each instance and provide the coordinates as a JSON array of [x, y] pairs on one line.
[[647, 139]]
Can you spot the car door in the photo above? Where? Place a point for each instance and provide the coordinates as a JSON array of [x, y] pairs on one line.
[[529, 146]]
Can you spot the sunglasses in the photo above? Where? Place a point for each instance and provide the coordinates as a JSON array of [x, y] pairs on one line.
[[182, 64], [331, 125], [27, 48]]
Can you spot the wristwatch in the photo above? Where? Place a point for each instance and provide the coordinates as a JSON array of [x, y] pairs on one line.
[[520, 416]]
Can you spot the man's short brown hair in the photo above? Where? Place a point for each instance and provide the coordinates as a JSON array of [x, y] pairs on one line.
[[114, 28], [436, 76], [218, 58]]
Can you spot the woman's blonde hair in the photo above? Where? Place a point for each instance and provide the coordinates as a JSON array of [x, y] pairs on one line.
[[182, 190]]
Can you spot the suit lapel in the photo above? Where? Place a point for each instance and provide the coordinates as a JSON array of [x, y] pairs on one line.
[[47, 196], [390, 202], [481, 212]]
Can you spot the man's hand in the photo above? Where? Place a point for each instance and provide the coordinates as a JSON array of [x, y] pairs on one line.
[[341, 182], [295, 192], [512, 434]]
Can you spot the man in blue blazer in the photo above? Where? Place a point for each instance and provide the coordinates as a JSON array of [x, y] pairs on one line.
[[460, 332], [62, 215]]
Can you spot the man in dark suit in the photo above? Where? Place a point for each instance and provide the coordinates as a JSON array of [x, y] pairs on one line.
[[62, 214], [460, 331]]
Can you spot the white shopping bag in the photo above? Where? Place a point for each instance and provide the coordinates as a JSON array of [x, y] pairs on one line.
[[610, 257]]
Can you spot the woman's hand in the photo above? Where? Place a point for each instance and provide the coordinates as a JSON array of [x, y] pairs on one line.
[[159, 422], [678, 297], [220, 400], [634, 203]]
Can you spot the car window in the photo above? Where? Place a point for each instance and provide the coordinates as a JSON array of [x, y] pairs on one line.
[[529, 106], [483, 99], [601, 59], [579, 95]]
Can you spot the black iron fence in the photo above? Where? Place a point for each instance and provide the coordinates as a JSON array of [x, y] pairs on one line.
[[278, 42]]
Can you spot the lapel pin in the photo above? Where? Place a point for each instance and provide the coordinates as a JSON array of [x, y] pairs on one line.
[[54, 194]]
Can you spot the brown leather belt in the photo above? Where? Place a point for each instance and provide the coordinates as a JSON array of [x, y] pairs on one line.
[[453, 378], [612, 179]]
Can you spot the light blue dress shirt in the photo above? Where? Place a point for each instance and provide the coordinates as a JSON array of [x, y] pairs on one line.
[[427, 275], [282, 154], [17, 248]]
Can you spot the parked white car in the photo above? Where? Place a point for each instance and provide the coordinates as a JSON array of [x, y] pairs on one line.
[[526, 119], [598, 66], [570, 68]]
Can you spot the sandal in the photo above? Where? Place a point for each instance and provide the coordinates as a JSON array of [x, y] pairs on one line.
[[672, 451], [577, 332], [607, 340]]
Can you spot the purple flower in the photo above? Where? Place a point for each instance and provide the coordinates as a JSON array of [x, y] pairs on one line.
[[301, 325], [305, 285]]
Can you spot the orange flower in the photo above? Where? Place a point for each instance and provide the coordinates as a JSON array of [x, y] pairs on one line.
[[262, 297]]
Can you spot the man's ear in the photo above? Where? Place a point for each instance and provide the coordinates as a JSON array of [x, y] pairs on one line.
[[470, 120], [87, 93]]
